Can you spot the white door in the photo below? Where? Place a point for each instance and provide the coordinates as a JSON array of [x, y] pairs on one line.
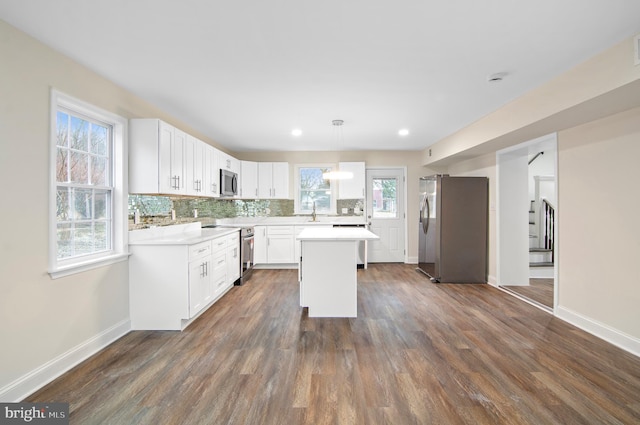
[[386, 215]]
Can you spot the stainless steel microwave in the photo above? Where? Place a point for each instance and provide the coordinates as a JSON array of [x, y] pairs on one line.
[[228, 183]]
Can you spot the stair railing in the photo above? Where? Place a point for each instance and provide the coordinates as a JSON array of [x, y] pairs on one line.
[[548, 213]]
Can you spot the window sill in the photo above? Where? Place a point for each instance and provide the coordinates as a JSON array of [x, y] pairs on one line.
[[88, 265]]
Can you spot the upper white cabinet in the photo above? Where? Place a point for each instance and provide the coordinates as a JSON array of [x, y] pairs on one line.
[[352, 188], [248, 179], [165, 160], [228, 162], [273, 180], [194, 166], [156, 162], [211, 172]]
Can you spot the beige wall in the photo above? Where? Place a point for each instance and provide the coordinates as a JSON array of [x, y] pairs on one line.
[[44, 318], [599, 231]]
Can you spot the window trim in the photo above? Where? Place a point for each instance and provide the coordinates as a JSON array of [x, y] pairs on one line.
[[118, 252], [296, 189]]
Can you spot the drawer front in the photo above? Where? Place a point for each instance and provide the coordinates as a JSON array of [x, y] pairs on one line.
[[199, 250], [233, 239], [220, 264], [279, 230], [219, 244]]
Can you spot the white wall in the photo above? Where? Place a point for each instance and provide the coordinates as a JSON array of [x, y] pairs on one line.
[[598, 223]]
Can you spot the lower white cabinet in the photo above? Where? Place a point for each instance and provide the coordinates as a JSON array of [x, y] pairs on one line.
[[233, 257], [280, 245], [277, 244], [260, 245], [274, 245], [171, 284]]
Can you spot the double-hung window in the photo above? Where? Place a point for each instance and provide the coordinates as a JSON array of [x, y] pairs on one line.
[[88, 163], [311, 189]]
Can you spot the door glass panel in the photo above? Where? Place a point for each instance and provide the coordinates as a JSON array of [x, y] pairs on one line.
[[385, 197]]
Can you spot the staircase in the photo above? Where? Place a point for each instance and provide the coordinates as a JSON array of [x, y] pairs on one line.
[[541, 243]]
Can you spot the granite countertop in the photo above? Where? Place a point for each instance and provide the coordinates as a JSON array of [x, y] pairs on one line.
[[181, 234], [337, 234]]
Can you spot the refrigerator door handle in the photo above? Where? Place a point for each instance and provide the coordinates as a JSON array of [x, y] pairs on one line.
[[425, 220]]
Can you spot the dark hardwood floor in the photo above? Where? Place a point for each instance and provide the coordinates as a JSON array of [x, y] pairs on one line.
[[418, 352], [539, 290]]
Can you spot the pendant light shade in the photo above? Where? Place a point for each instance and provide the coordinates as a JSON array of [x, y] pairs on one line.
[[337, 174]]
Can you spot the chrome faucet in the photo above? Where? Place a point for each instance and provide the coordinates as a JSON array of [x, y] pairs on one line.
[[313, 213]]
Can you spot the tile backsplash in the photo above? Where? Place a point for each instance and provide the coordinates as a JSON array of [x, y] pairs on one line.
[[156, 210]]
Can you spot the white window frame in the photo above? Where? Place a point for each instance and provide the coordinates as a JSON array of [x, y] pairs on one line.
[[119, 223], [334, 188]]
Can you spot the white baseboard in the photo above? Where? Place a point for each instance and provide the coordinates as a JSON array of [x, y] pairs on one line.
[[39, 377], [412, 260], [491, 280], [609, 334]]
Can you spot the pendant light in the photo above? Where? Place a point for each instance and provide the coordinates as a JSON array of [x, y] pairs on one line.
[[337, 174]]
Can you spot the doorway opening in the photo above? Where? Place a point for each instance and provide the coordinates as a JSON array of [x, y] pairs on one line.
[[527, 221]]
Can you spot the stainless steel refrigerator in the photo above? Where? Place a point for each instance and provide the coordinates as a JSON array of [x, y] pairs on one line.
[[453, 228]]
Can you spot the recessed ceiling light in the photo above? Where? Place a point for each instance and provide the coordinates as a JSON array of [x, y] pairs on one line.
[[403, 132], [296, 132]]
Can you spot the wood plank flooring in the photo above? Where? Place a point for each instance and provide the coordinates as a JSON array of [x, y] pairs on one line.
[[418, 353], [539, 290]]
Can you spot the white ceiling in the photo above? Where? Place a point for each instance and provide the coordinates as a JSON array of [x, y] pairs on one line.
[[246, 72]]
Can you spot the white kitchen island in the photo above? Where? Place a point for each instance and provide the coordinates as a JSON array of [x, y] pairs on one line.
[[327, 270]]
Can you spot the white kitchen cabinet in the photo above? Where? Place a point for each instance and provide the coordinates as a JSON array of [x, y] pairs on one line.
[[274, 245], [228, 162], [280, 245], [352, 188], [248, 179], [200, 267], [172, 284], [273, 180], [156, 160], [194, 166], [211, 172], [233, 257], [260, 245], [219, 253]]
